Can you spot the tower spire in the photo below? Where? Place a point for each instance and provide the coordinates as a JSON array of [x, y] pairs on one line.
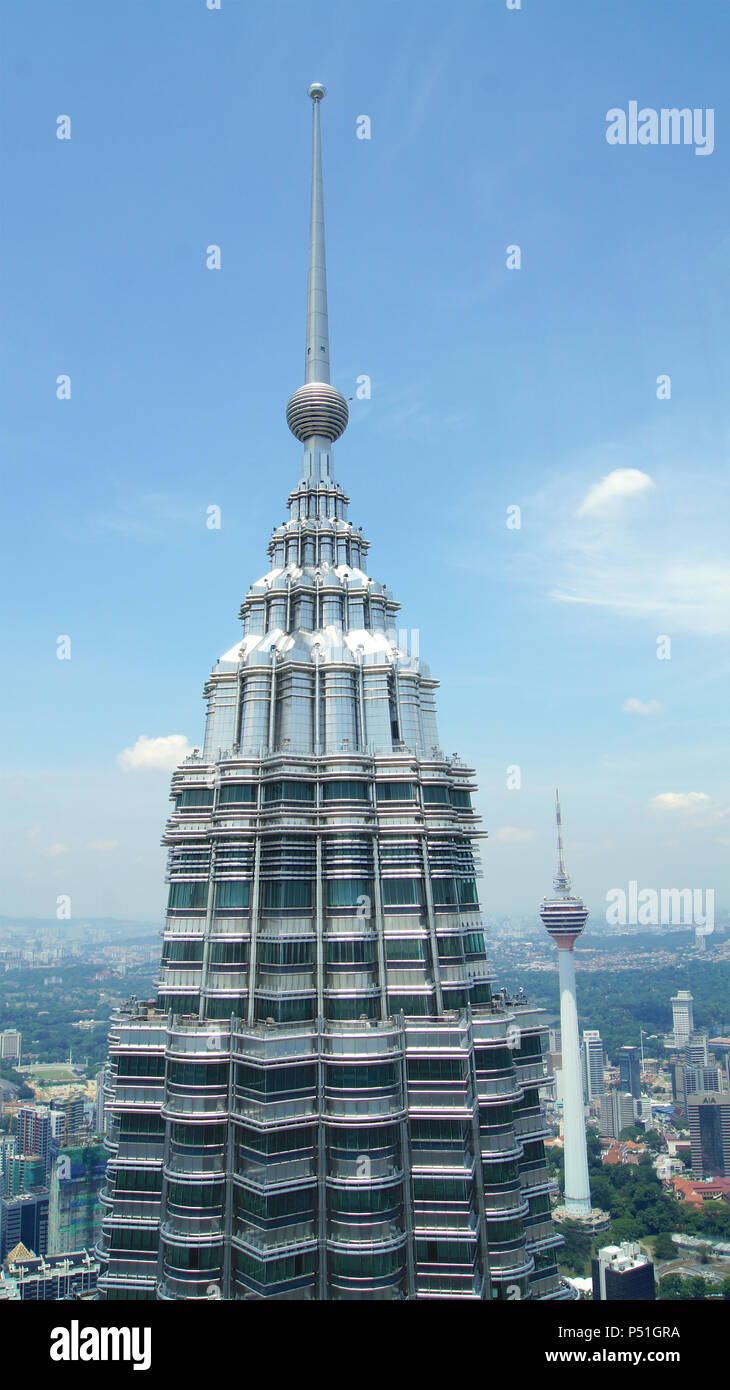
[[317, 354], [561, 882], [317, 414]]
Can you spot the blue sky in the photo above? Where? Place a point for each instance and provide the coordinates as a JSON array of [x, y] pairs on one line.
[[491, 388]]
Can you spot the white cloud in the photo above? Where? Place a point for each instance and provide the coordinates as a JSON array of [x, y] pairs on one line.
[[634, 706], [681, 801], [56, 850], [101, 846], [613, 489], [513, 835], [154, 754], [673, 574]]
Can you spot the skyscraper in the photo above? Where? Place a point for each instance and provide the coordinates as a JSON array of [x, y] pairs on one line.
[[564, 916], [682, 1017], [629, 1062], [616, 1112], [33, 1133], [593, 1083], [325, 1102], [709, 1130]]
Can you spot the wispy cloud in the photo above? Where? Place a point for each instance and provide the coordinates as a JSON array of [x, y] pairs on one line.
[[682, 801], [651, 549], [513, 835], [615, 488], [645, 707]]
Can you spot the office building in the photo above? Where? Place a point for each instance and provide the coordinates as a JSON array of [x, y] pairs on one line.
[[592, 1056], [621, 1273], [629, 1061], [709, 1131], [70, 1275], [616, 1113], [10, 1046], [325, 1101], [24, 1217], [682, 1017]]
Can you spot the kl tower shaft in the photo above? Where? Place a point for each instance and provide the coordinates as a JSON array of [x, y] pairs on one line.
[[577, 1185]]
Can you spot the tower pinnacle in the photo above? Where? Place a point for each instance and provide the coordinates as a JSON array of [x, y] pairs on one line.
[[317, 411], [561, 882]]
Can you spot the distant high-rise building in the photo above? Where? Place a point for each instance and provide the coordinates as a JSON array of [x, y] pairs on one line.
[[616, 1113], [592, 1048], [629, 1061], [564, 916], [682, 1016], [32, 1128], [52, 1278], [75, 1211], [10, 1046], [642, 1110], [99, 1110], [73, 1111], [696, 1053], [622, 1273], [24, 1219], [709, 1129], [25, 1173], [304, 1113]]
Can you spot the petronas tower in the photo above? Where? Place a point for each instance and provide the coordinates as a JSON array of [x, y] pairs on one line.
[[326, 1101]]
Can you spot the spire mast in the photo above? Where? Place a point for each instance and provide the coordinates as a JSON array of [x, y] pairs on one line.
[[561, 882], [317, 354], [317, 413]]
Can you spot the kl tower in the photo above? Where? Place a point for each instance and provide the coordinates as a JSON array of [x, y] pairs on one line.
[[564, 917]]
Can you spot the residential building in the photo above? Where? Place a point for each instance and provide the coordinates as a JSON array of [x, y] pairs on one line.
[[32, 1129]]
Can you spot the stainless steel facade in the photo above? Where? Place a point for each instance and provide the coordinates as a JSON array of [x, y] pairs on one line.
[[325, 1101]]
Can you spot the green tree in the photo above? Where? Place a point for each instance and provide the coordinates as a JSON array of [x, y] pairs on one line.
[[670, 1287], [664, 1247]]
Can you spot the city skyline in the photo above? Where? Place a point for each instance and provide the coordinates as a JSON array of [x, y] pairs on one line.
[[172, 407]]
